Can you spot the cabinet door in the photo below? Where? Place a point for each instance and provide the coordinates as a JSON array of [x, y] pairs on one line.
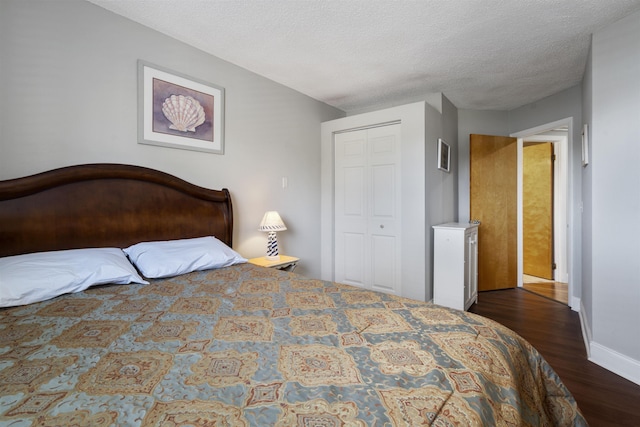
[[467, 266], [471, 267], [449, 273]]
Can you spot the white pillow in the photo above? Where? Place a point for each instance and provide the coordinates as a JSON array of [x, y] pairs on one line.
[[174, 257], [29, 278]]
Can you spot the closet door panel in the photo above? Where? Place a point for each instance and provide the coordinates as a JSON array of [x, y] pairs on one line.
[[367, 208], [353, 203], [383, 263], [354, 245], [350, 207]]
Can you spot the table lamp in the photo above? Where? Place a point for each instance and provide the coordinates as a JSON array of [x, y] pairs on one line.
[[271, 222]]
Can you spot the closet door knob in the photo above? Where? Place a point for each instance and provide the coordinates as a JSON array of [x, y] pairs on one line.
[[381, 226]]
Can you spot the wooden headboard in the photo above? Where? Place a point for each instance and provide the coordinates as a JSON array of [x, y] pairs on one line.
[[101, 205]]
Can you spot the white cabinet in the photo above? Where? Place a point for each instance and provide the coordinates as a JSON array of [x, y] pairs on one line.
[[455, 265]]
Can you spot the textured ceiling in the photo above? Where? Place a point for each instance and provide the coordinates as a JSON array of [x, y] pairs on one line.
[[362, 54]]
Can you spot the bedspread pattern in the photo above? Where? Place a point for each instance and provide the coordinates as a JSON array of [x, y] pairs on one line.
[[247, 345]]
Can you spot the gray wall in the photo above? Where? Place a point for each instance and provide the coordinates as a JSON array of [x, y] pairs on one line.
[[587, 207], [567, 103], [69, 88], [615, 203], [450, 181]]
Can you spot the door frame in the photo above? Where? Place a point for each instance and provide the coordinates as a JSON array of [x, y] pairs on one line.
[[565, 179]]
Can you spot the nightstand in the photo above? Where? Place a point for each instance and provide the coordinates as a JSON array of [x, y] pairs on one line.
[[286, 263]]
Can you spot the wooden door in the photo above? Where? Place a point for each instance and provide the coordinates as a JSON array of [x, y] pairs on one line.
[[367, 208], [537, 209], [493, 202]]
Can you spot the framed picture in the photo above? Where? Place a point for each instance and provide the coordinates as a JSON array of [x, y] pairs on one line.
[[444, 155], [178, 111], [585, 145]]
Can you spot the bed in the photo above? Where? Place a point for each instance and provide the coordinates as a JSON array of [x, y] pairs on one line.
[[237, 345]]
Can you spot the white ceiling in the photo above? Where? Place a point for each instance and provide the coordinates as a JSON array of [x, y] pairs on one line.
[[361, 54]]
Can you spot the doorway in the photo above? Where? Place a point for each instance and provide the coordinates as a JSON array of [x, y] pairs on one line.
[[560, 134], [557, 286]]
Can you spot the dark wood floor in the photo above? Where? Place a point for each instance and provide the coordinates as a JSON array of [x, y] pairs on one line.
[[604, 398]]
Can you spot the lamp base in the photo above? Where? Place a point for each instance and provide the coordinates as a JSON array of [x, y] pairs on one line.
[[273, 257], [272, 246]]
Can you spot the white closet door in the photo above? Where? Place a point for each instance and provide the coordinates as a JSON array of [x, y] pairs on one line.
[[367, 208], [351, 208]]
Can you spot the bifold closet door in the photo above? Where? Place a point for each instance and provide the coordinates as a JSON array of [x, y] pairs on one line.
[[367, 208]]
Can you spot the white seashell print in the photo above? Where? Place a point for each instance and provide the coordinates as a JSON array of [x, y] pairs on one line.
[[184, 112]]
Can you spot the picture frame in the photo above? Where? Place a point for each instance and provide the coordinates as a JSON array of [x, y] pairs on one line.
[[444, 155], [179, 111], [585, 145]]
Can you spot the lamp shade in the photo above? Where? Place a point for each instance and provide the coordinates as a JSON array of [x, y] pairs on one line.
[[271, 221]]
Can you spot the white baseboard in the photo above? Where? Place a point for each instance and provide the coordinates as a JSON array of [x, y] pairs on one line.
[[576, 304], [615, 362], [586, 330], [611, 360]]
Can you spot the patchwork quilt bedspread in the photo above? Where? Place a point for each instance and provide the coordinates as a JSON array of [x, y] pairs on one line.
[[251, 346]]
